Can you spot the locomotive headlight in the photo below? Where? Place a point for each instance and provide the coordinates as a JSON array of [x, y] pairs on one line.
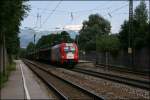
[[76, 56]]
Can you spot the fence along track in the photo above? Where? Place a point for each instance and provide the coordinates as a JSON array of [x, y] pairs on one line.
[[133, 82], [64, 88]]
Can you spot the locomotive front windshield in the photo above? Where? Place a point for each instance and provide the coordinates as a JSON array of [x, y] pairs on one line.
[[69, 49]]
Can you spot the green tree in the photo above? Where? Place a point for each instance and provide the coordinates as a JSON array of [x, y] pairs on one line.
[[139, 28], [44, 41], [147, 37], [66, 37], [53, 39], [108, 43], [95, 26], [22, 52], [30, 47], [141, 13], [49, 40], [124, 34], [11, 14]]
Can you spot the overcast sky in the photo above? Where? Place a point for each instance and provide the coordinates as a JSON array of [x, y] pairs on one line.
[[114, 11], [71, 14]]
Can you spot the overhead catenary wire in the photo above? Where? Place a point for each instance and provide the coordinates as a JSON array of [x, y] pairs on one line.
[[43, 10], [52, 12], [73, 13], [40, 21], [82, 11], [37, 19], [79, 11], [119, 8]]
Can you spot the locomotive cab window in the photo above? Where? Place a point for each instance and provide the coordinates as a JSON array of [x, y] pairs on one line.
[[69, 49], [72, 49], [66, 49]]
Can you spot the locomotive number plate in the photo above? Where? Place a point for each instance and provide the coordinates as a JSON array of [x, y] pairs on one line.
[[70, 56]]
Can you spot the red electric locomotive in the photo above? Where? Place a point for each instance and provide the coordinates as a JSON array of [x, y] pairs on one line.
[[64, 53]]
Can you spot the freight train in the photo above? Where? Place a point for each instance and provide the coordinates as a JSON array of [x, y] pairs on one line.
[[63, 53]]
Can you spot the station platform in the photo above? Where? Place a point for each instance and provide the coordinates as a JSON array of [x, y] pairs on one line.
[[23, 84], [85, 61]]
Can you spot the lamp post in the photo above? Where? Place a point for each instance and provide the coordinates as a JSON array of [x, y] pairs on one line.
[[34, 36]]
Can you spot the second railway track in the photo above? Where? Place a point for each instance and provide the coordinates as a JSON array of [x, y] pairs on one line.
[[133, 82], [64, 89]]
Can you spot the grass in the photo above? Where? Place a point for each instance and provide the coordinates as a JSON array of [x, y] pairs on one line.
[[4, 78]]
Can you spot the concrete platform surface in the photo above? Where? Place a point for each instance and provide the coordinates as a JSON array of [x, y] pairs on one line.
[[23, 84], [85, 61]]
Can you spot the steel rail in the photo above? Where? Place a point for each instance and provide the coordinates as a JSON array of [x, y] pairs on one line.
[[93, 95], [125, 70], [133, 82], [59, 94]]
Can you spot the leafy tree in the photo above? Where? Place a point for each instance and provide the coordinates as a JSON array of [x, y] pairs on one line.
[[48, 40], [147, 37], [43, 41], [124, 34], [141, 13], [95, 26], [108, 43], [30, 47], [12, 12], [22, 52], [66, 37], [141, 18], [139, 28], [53, 39]]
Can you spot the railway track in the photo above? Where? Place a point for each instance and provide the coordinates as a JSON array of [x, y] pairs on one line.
[[133, 82], [64, 89], [125, 70]]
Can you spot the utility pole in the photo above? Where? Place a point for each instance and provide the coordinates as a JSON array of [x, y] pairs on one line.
[[149, 11], [3, 53], [34, 46], [34, 36], [130, 46]]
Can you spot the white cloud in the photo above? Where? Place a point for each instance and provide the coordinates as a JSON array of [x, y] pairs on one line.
[[73, 27]]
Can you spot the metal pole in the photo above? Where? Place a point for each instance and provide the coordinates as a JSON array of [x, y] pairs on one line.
[[4, 56], [78, 41], [130, 23], [34, 46], [106, 60], [96, 62], [34, 38], [149, 12], [130, 48], [1, 53]]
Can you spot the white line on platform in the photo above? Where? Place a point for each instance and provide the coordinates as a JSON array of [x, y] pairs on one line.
[[24, 84]]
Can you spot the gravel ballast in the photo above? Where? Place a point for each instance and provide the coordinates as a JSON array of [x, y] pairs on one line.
[[102, 87]]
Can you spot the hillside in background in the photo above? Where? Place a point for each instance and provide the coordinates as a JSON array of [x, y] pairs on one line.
[[26, 36]]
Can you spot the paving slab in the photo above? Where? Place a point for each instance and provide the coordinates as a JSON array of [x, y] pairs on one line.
[[24, 84], [13, 89], [35, 87]]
